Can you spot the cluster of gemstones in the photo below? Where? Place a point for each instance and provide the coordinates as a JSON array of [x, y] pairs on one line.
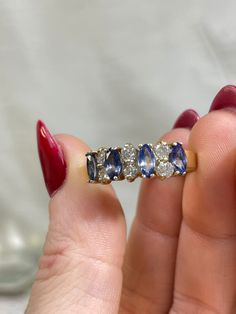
[[128, 162]]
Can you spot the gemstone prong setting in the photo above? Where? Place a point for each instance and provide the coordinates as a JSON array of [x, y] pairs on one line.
[[161, 160]]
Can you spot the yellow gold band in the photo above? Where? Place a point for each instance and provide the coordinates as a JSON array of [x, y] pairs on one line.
[[191, 161]]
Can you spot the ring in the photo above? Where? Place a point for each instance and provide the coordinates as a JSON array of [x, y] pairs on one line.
[[161, 160]]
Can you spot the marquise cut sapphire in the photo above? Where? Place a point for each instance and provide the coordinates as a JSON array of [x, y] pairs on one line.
[[112, 164], [146, 161], [92, 166], [178, 158]]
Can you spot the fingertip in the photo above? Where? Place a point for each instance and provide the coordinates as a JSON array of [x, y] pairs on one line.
[[225, 98], [186, 119], [210, 188], [51, 158], [215, 127]]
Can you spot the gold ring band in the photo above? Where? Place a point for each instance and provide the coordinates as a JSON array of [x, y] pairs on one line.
[[191, 160]]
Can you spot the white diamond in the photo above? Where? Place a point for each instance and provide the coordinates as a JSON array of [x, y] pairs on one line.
[[102, 176], [128, 152], [162, 151], [130, 172], [165, 169], [101, 156]]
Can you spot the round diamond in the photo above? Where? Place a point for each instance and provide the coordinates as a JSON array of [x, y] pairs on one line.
[[128, 152], [165, 169], [102, 176], [130, 172], [101, 156], [162, 151]]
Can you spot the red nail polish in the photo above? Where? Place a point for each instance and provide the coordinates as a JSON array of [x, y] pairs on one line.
[[187, 119], [225, 98], [52, 159]]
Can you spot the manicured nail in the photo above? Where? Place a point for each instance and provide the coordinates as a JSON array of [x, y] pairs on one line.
[[187, 119], [52, 159], [225, 99]]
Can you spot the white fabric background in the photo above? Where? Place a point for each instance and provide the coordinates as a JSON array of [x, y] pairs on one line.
[[107, 71]]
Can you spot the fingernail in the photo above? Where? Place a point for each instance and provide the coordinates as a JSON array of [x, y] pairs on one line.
[[52, 159], [187, 119], [225, 98]]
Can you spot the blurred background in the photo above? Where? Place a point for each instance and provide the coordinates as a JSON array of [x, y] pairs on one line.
[[107, 71]]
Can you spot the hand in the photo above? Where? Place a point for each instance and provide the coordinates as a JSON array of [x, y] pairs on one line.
[[181, 253]]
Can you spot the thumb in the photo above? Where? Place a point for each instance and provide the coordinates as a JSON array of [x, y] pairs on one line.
[[80, 270]]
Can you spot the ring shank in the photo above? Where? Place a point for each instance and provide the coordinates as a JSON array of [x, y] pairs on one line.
[[191, 160]]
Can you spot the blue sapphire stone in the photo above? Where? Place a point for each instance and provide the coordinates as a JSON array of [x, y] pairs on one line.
[[92, 166], [178, 158], [112, 164], [146, 161]]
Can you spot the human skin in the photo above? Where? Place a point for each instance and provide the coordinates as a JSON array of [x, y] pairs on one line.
[[180, 256]]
